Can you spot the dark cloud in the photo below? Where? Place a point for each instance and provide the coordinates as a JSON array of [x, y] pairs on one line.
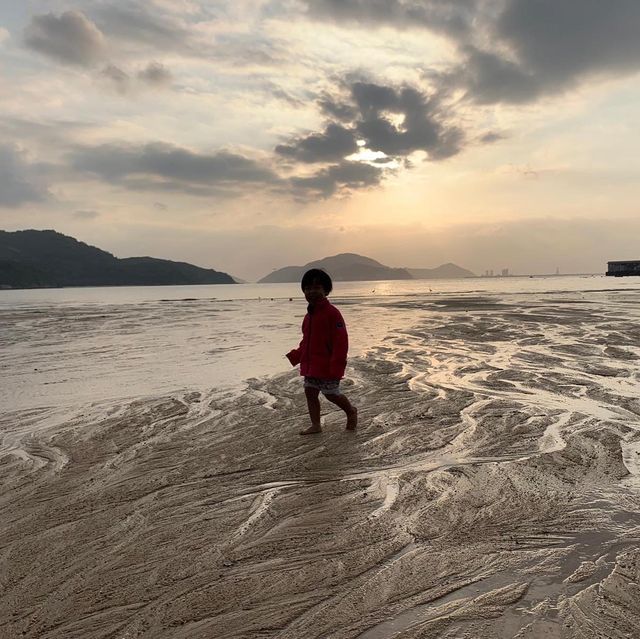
[[394, 121], [492, 136], [421, 126], [546, 47], [20, 181], [333, 144], [160, 166], [155, 74], [345, 176], [559, 42], [117, 78], [337, 110], [514, 51], [70, 38], [373, 98], [489, 78]]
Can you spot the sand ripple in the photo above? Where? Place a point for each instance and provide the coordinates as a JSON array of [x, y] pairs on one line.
[[492, 490]]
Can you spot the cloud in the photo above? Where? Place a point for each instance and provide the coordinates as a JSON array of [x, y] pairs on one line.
[[562, 41], [20, 181], [338, 177], [117, 78], [543, 48], [155, 74], [159, 166], [70, 38], [490, 137], [136, 23], [335, 109], [395, 121], [488, 78], [381, 126], [274, 90], [453, 17], [139, 25], [419, 124], [513, 51], [335, 143]]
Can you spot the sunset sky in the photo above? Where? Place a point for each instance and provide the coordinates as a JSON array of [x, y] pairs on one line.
[[247, 135]]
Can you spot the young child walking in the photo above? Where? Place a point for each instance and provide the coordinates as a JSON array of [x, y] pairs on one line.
[[322, 353]]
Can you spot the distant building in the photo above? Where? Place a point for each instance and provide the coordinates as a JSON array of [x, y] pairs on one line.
[[505, 272], [624, 267]]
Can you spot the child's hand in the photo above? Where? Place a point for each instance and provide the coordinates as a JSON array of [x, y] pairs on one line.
[[293, 357]]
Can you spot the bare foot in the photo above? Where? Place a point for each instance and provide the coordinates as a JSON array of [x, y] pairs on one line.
[[311, 430], [352, 419]]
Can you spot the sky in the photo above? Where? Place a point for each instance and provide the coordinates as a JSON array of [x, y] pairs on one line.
[[248, 135]]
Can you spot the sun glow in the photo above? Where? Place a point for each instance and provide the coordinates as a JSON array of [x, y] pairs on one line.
[[375, 158]]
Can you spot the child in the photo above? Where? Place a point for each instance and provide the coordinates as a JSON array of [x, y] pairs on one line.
[[322, 353]]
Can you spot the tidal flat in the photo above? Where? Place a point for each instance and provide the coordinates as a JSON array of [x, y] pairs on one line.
[[491, 490]]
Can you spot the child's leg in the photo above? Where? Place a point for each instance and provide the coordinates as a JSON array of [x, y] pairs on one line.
[[313, 404], [347, 407]]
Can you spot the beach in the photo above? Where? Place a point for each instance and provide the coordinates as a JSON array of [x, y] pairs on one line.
[[492, 488]]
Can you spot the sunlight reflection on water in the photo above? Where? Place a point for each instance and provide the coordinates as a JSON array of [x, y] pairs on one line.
[[65, 346]]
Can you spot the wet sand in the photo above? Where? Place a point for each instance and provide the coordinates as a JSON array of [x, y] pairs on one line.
[[492, 489]]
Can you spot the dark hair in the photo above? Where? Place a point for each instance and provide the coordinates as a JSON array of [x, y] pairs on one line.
[[317, 275]]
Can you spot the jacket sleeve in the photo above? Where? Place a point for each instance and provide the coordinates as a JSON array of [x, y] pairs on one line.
[[294, 354], [340, 346]]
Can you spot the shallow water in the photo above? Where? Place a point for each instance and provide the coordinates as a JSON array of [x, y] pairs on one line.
[[491, 490], [62, 347]]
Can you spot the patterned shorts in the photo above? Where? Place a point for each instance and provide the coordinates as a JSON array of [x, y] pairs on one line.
[[325, 386]]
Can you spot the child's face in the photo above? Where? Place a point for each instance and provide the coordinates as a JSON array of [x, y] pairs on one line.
[[313, 292]]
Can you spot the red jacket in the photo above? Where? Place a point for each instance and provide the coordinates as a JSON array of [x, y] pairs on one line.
[[323, 349]]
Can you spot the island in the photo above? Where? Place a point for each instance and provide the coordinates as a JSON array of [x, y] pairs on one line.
[[48, 259], [351, 267]]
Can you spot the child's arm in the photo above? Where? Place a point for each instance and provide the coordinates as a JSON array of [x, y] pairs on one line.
[[294, 355], [339, 346]]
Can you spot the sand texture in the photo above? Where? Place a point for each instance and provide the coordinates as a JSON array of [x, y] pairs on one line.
[[491, 490]]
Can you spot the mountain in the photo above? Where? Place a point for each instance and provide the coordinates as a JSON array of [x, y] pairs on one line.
[[443, 272], [345, 267], [37, 259]]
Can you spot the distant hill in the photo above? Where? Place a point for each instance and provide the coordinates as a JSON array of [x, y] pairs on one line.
[[352, 267], [346, 267], [37, 259], [443, 272]]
